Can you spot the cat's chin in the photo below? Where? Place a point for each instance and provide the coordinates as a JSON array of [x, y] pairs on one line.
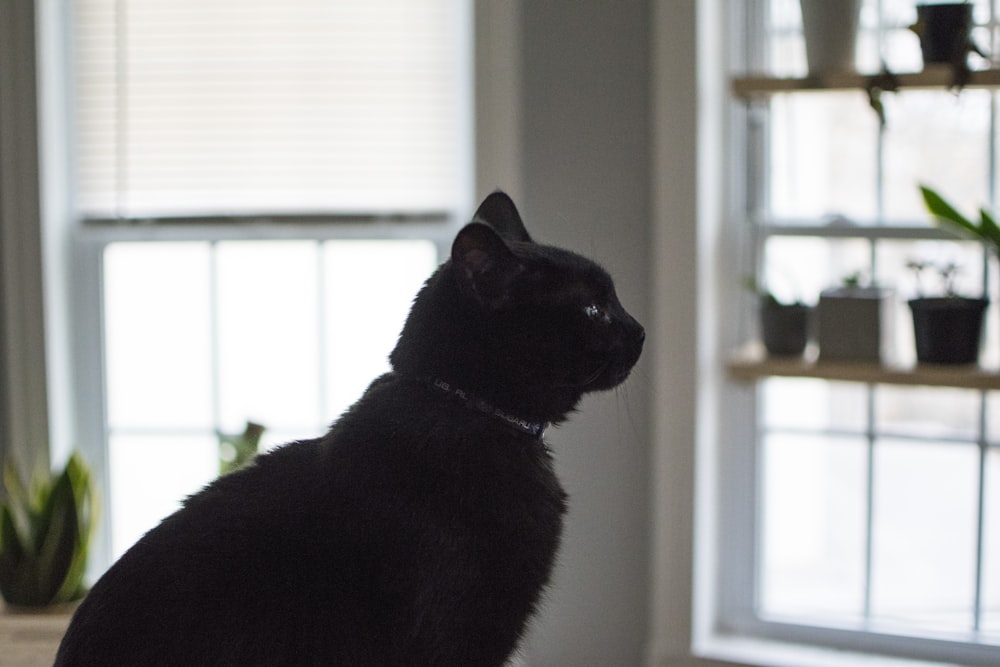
[[614, 371], [608, 380]]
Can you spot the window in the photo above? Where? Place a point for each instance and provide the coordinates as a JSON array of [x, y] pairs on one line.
[[875, 507], [259, 191]]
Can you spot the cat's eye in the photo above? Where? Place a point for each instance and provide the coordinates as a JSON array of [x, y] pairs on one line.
[[595, 312]]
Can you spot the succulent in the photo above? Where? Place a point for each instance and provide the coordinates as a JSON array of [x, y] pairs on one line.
[[45, 531]]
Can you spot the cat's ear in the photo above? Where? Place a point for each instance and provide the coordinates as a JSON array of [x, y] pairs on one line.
[[485, 268], [498, 211]]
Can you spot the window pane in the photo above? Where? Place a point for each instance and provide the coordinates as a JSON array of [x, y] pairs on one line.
[[268, 317], [802, 267], [901, 50], [939, 140], [924, 543], [798, 403], [993, 417], [281, 308], [996, 100], [151, 475], [157, 325], [927, 412], [813, 527], [823, 157], [990, 622], [368, 286]]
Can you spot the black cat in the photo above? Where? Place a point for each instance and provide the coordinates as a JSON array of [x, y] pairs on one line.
[[422, 528]]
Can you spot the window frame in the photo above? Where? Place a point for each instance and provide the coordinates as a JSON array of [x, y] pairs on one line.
[[74, 405], [739, 549]]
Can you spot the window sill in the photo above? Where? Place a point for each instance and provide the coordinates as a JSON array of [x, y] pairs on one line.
[[723, 650]]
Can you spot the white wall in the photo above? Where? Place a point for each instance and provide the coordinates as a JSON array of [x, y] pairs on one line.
[[585, 150], [620, 122]]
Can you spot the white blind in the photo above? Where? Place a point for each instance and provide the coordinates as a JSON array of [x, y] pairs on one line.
[[215, 107]]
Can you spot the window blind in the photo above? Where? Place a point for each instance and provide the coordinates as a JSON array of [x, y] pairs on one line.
[[235, 107]]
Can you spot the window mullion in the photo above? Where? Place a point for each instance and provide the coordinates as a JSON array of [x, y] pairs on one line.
[[978, 602], [215, 335], [322, 353], [869, 528]]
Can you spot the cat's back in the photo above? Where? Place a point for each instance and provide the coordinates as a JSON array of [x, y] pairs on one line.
[[411, 510]]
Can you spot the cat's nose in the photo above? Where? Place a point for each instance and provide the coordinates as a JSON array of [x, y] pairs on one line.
[[640, 332]]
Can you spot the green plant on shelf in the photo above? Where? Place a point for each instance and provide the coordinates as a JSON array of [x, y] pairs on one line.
[[239, 449], [947, 272], [944, 213]]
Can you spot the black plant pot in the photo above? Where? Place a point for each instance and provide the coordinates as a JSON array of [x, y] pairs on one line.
[[784, 327], [944, 31], [947, 330]]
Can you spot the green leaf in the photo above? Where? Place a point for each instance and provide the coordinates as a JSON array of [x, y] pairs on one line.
[[57, 544], [12, 482], [12, 558], [10, 537], [989, 227], [942, 210], [17, 498], [79, 477]]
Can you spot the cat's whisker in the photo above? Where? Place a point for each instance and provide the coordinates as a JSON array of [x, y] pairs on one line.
[[622, 396]]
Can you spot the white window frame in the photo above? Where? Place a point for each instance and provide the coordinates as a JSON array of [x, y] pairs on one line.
[[726, 623], [63, 347]]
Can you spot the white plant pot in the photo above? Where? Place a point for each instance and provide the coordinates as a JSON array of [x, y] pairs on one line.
[[830, 30]]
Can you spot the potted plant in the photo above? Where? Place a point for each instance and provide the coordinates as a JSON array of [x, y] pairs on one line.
[[853, 321], [239, 449], [830, 33], [945, 33], [784, 327], [946, 329], [45, 531], [968, 313]]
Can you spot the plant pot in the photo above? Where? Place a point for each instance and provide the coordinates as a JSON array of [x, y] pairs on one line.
[[945, 31], [947, 330], [784, 327], [830, 31], [853, 324]]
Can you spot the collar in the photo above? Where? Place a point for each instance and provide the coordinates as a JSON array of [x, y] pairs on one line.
[[534, 429]]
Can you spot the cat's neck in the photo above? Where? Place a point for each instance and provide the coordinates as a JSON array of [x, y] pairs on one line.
[[534, 429]]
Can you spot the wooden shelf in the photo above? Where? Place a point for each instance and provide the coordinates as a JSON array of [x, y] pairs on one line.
[[934, 76], [751, 363]]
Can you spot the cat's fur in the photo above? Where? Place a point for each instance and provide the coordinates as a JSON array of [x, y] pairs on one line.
[[422, 528]]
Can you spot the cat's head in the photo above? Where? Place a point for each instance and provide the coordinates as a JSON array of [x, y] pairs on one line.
[[527, 326]]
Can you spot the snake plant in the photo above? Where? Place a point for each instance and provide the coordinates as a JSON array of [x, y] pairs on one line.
[[45, 530]]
